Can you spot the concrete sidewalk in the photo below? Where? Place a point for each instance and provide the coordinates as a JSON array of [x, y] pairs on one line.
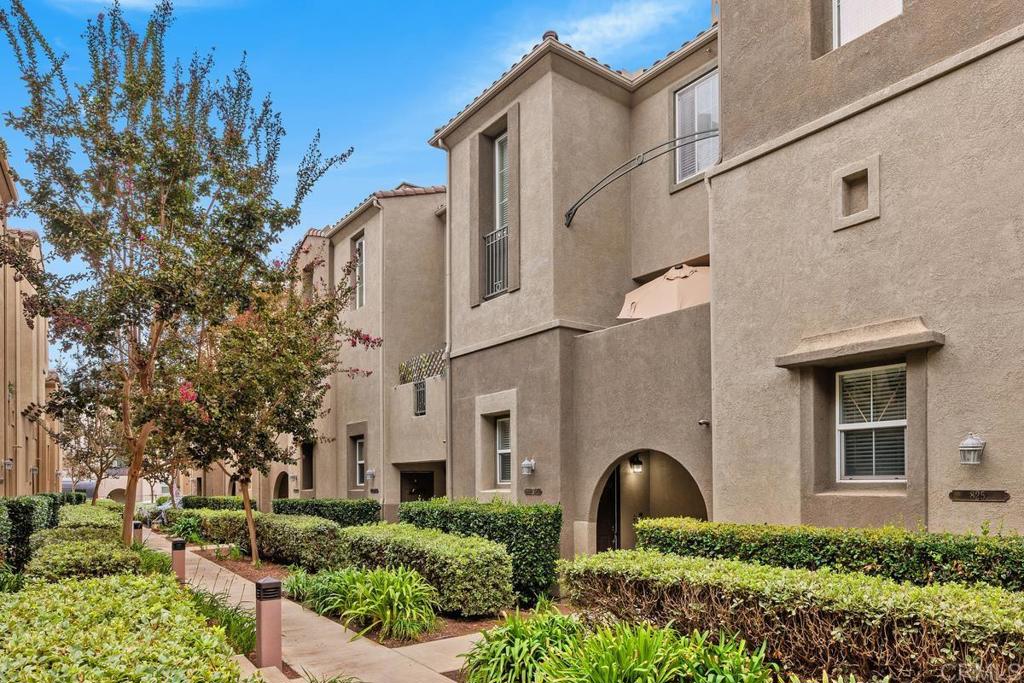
[[324, 647]]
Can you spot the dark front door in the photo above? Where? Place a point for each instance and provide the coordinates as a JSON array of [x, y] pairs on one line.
[[281, 486], [608, 514], [417, 486]]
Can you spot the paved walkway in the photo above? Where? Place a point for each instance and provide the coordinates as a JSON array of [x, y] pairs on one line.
[[324, 647]]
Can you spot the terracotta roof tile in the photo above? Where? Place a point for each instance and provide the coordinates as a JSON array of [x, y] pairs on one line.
[[403, 189]]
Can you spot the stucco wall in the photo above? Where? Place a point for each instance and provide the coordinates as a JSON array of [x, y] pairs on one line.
[[947, 247]]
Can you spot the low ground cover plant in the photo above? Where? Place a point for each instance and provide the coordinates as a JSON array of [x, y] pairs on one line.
[[211, 502], [62, 534], [238, 623], [10, 582], [847, 623], [473, 576], [919, 557], [81, 559], [530, 533], [396, 603], [117, 628], [98, 516], [343, 511], [514, 651]]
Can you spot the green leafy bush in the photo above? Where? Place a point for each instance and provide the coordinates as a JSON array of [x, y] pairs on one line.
[[344, 511], [215, 526], [80, 559], [68, 534], [530, 533], [55, 504], [160, 500], [118, 628], [5, 531], [110, 505], [514, 651], [72, 498], [97, 516], [473, 576], [212, 502], [152, 561], [28, 514], [812, 620], [10, 582], [238, 623], [921, 558], [624, 653]]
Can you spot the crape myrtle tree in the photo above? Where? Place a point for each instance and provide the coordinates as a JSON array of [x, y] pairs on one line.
[[259, 385], [167, 458], [159, 180], [91, 441]]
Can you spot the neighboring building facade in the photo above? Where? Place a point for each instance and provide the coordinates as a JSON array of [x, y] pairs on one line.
[[31, 458], [846, 176]]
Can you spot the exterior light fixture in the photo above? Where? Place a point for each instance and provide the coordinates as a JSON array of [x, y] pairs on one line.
[[294, 478], [528, 467], [371, 474], [636, 463], [971, 449], [8, 464]]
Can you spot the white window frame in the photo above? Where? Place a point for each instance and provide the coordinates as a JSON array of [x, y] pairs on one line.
[[837, 40], [499, 451], [360, 251], [359, 452], [713, 73], [842, 427], [498, 142]]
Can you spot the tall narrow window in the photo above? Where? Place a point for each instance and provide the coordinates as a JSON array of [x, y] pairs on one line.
[[359, 448], [359, 252], [307, 466], [503, 448], [871, 423], [853, 18], [419, 395], [696, 113], [496, 241]]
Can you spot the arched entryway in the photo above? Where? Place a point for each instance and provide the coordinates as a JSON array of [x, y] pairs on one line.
[[281, 485], [638, 485], [117, 495]]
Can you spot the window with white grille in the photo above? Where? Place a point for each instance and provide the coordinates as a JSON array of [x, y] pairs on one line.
[[419, 395], [359, 448], [853, 18], [496, 241], [359, 251], [871, 423], [696, 112], [503, 447]]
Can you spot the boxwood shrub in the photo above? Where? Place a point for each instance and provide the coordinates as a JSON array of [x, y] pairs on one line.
[[813, 620], [5, 532], [81, 559], [55, 504], [47, 537], [28, 514], [72, 498], [212, 502], [97, 516], [216, 526], [344, 511], [921, 558], [473, 576], [530, 533], [117, 628]]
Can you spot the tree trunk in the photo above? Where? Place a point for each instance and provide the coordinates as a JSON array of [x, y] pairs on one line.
[[250, 521], [96, 490], [131, 490]]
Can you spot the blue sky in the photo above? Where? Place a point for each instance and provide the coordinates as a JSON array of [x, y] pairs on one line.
[[378, 76]]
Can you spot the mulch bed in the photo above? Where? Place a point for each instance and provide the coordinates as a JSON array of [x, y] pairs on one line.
[[244, 568]]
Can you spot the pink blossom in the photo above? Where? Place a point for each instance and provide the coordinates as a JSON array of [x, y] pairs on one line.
[[186, 394]]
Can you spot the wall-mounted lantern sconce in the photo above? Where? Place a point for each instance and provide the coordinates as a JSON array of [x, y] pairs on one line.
[[971, 449], [636, 463], [8, 464], [34, 471], [704, 422], [528, 467], [371, 474], [294, 478]]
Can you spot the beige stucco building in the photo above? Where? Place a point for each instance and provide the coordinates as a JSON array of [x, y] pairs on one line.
[[31, 458], [846, 176]]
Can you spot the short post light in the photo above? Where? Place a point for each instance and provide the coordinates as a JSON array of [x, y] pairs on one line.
[[137, 531], [971, 449], [528, 467], [268, 623], [178, 558]]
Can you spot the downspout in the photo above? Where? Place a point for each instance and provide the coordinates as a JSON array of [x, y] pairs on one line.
[[449, 479], [379, 481]]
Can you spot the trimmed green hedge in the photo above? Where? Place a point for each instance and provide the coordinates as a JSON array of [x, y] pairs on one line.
[[344, 511], [848, 622], [81, 559], [72, 498], [472, 575], [921, 558], [118, 628], [530, 533], [5, 532], [28, 514], [212, 502], [47, 537], [97, 516], [55, 504]]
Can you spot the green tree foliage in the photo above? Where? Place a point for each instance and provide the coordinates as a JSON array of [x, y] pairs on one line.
[[159, 178]]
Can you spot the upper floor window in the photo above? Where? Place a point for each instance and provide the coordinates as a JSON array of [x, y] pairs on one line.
[[359, 253], [496, 241], [503, 450], [853, 18], [419, 397], [871, 423], [696, 112], [359, 453]]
